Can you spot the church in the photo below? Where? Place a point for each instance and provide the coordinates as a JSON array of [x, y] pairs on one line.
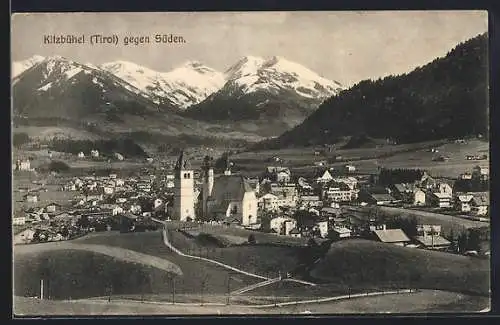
[[227, 197]]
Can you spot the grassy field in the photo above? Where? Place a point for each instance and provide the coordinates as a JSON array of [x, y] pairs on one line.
[[80, 274], [390, 265], [195, 272], [424, 301], [242, 234], [368, 160]]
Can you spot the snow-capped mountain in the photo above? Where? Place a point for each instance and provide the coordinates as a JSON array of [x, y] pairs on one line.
[[19, 67], [274, 90], [182, 87], [251, 74], [58, 87]]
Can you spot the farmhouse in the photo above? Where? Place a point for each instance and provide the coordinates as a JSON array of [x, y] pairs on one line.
[[81, 154], [322, 225], [310, 201], [377, 198], [31, 197], [350, 168], [52, 207], [19, 220], [286, 192], [94, 153], [429, 237], [391, 236], [441, 200], [463, 202], [480, 203], [295, 233]]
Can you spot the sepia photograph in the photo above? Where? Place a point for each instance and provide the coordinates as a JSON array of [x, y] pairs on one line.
[[250, 163]]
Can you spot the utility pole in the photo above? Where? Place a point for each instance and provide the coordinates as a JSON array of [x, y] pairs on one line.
[[228, 289], [173, 289], [41, 289]]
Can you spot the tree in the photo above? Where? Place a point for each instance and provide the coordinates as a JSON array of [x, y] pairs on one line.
[[83, 222], [462, 243], [474, 240], [251, 239], [18, 139]]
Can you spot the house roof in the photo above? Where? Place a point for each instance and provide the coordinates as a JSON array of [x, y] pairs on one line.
[[341, 230], [481, 198], [440, 195], [277, 169], [294, 231], [391, 235], [382, 197], [432, 240]]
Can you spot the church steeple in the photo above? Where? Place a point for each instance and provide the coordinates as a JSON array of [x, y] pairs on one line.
[[182, 162]]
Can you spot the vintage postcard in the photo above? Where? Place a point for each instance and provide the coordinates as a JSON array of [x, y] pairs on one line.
[[259, 163]]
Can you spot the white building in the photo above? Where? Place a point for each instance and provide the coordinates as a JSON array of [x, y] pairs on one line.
[[419, 197], [19, 220], [81, 154], [282, 225], [268, 202], [183, 208], [23, 165], [94, 153], [350, 168], [464, 202]]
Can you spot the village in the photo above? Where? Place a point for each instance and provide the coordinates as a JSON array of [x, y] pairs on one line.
[[330, 203]]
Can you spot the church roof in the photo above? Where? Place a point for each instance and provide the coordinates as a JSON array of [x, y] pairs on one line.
[[230, 188]]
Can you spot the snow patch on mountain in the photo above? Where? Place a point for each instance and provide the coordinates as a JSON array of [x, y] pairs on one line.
[[251, 74], [19, 67], [184, 86]]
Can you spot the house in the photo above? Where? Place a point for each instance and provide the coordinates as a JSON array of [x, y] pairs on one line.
[[426, 181], [157, 202], [429, 237], [94, 153], [392, 236], [419, 197], [295, 233], [323, 176], [23, 165], [287, 194], [329, 212], [255, 184], [466, 176], [278, 174], [445, 188], [463, 202], [310, 201], [340, 233], [481, 172], [19, 220], [480, 203], [53, 207], [350, 168], [24, 237], [339, 192], [441, 200], [282, 225], [268, 202], [322, 225], [376, 197], [81, 154], [403, 191], [108, 190], [350, 181], [31, 198], [119, 156]]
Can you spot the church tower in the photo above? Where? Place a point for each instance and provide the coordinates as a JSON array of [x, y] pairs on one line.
[[208, 182], [183, 190]]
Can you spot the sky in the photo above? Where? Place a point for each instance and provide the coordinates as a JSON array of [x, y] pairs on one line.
[[345, 46]]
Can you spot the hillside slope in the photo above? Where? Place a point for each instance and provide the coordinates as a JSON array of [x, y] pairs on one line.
[[390, 265], [446, 98]]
